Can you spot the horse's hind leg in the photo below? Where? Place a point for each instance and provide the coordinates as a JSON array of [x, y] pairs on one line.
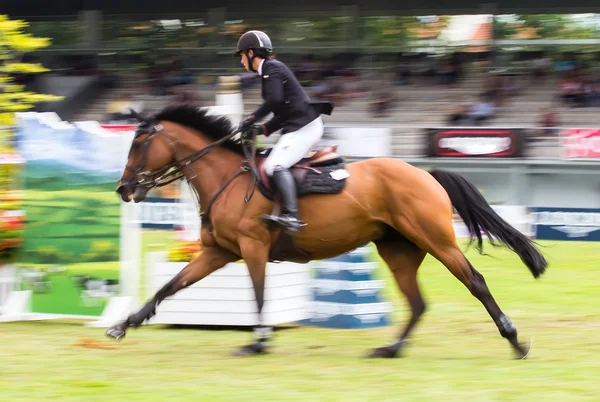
[[453, 258], [403, 258]]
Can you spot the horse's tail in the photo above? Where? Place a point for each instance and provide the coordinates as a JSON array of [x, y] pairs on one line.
[[479, 216]]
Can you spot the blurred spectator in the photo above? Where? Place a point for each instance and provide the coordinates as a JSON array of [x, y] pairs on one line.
[[458, 113], [492, 88], [571, 90], [590, 92], [511, 85], [564, 64], [330, 89], [548, 121], [381, 102], [482, 110], [541, 66], [403, 72], [446, 71], [595, 96]]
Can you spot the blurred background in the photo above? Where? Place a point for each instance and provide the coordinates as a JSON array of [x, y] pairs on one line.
[[394, 65], [505, 93]]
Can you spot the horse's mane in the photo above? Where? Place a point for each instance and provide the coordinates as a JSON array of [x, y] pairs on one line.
[[195, 117]]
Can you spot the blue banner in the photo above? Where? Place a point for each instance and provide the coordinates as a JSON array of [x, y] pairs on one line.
[[345, 295], [574, 224]]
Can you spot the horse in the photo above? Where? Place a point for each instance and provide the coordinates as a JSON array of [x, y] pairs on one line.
[[405, 211]]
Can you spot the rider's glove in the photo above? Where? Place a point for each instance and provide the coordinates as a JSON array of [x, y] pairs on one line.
[[246, 123]]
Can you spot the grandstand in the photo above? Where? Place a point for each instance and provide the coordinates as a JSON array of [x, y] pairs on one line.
[[131, 45], [415, 106]]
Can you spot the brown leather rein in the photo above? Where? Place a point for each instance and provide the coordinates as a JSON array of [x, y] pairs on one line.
[[174, 170]]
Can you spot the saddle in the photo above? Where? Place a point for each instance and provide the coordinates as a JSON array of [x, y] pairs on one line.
[[310, 163], [312, 175]]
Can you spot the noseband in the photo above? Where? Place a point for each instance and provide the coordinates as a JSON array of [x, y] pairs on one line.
[[163, 176]]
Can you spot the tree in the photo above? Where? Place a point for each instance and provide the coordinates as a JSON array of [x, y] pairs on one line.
[[544, 26], [384, 31], [14, 44], [506, 28]]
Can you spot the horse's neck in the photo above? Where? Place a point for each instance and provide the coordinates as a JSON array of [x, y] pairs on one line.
[[209, 173]]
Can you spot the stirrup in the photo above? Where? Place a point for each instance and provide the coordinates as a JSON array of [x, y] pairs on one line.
[[288, 222]]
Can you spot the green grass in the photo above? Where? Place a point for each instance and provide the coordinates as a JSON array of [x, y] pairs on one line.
[[456, 352]]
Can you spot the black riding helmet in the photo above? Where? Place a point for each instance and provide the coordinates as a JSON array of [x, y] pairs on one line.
[[258, 41]]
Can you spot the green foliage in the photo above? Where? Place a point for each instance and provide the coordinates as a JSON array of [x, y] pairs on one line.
[[397, 31], [48, 255], [102, 251], [543, 26], [14, 43]]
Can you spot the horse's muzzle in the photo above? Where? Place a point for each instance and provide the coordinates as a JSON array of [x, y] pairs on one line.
[[125, 190], [130, 191], [139, 194]]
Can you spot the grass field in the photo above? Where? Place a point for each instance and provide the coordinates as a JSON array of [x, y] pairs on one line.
[[456, 353]]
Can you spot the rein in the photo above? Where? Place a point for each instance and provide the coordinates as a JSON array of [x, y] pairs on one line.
[[149, 179]]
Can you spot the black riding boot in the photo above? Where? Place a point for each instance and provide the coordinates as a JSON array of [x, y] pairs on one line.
[[290, 220]]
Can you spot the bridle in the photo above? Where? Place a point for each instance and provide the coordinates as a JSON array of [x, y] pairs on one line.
[[175, 170]]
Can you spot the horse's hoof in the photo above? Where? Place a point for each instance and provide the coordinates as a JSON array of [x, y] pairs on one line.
[[384, 352], [252, 349], [116, 332], [523, 351]]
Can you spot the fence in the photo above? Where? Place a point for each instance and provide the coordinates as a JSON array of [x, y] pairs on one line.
[[8, 281]]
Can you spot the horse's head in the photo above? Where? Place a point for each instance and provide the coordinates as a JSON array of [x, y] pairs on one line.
[[150, 156]]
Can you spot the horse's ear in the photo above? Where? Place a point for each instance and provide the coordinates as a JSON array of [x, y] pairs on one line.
[[137, 116]]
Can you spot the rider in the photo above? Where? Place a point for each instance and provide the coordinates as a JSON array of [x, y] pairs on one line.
[[299, 120]]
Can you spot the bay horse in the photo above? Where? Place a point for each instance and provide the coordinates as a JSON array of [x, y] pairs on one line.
[[405, 211]]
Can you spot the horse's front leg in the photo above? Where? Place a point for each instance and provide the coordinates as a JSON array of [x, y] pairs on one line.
[[209, 260], [256, 255]]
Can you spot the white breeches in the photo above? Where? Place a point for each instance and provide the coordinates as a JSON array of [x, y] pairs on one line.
[[294, 146]]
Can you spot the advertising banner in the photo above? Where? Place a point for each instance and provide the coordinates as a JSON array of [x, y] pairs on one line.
[[366, 142], [475, 142], [580, 143], [167, 214], [575, 224], [70, 258]]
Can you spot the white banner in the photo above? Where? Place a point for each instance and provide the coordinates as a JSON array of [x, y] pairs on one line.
[[359, 141], [516, 215]]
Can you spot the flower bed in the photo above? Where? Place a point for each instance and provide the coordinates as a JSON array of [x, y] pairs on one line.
[[12, 215], [185, 251]]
